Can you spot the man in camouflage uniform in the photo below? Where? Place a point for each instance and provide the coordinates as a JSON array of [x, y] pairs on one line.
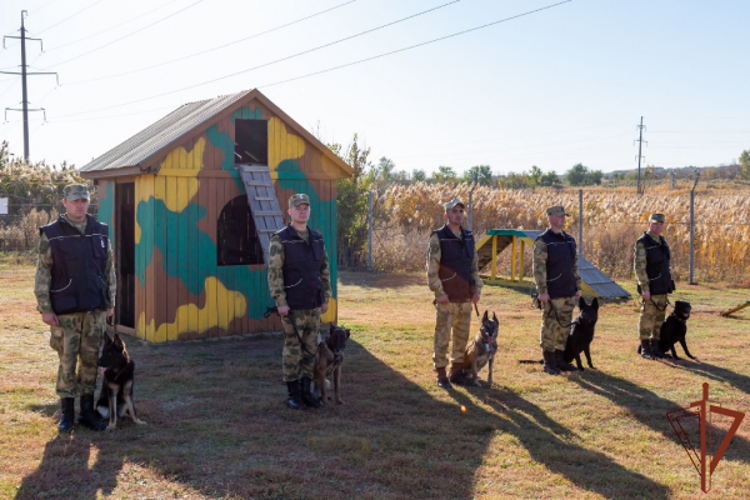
[[75, 287], [654, 277], [558, 285], [453, 275], [300, 281]]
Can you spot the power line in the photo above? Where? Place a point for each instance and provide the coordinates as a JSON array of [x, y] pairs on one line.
[[418, 45], [282, 59], [69, 17], [214, 48], [130, 34], [112, 27], [333, 68], [44, 6]]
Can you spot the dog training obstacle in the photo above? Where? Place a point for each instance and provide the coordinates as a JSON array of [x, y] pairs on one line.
[[496, 241], [735, 309]]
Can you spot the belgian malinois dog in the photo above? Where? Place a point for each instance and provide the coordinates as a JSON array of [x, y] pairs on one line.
[[328, 362], [481, 350], [116, 397]]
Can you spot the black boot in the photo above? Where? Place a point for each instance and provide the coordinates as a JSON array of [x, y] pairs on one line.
[[549, 363], [442, 379], [307, 395], [645, 349], [294, 401], [68, 414], [457, 374], [656, 351], [88, 417], [561, 363]]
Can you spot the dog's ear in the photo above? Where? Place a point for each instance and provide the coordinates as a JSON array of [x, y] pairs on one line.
[[484, 318], [595, 303], [348, 332], [118, 341], [581, 302], [332, 328], [494, 318], [106, 338]]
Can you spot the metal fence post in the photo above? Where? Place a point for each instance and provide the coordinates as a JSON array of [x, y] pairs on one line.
[[369, 230], [692, 227], [692, 235], [580, 222]]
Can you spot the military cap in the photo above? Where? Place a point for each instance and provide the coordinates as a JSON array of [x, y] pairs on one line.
[[76, 191], [453, 203], [556, 210], [656, 218], [298, 199]]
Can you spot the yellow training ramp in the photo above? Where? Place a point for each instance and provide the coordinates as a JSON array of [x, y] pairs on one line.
[[595, 282]]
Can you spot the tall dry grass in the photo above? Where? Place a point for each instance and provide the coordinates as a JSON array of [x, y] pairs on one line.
[[612, 221], [22, 232]]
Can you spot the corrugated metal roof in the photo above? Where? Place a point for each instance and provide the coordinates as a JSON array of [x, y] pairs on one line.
[[158, 135]]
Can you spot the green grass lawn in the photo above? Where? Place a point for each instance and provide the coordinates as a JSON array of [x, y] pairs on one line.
[[218, 426]]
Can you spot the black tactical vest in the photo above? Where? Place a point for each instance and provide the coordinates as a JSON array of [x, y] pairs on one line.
[[80, 262], [456, 256], [657, 265], [561, 259], [302, 261]]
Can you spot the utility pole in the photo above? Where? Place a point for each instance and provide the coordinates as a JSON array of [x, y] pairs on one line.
[[640, 144], [25, 102]]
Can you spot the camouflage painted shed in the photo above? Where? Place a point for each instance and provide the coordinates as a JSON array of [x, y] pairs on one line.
[[191, 202]]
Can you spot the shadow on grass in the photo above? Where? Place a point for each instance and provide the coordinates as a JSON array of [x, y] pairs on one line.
[[549, 444], [651, 409], [716, 373], [218, 427], [64, 471]]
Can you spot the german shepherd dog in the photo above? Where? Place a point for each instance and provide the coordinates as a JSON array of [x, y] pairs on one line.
[[116, 397], [674, 329], [582, 333], [328, 362], [481, 350]]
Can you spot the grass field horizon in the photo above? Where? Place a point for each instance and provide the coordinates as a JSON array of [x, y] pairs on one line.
[[218, 428]]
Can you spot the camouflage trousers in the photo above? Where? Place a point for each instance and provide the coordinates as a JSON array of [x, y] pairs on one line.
[[653, 312], [297, 361], [455, 316], [77, 341], [557, 314]]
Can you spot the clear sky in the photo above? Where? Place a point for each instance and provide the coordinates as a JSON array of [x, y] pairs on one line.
[[553, 88]]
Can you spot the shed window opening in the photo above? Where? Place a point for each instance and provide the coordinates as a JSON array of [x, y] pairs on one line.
[[251, 142], [237, 238]]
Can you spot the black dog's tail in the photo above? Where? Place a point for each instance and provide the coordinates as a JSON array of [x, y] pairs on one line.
[[531, 361]]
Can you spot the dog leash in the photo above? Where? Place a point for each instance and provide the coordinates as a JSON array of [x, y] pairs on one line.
[[275, 310], [557, 318], [477, 311], [660, 309]]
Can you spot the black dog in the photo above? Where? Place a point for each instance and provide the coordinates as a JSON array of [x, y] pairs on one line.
[[582, 333], [674, 329], [116, 397]]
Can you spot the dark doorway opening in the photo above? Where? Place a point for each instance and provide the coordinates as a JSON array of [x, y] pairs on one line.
[[251, 142], [236, 236], [125, 253]]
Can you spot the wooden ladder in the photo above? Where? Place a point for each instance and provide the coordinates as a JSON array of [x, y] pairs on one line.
[[264, 206]]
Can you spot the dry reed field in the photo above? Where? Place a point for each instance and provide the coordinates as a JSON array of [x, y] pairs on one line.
[[218, 427], [612, 221]]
